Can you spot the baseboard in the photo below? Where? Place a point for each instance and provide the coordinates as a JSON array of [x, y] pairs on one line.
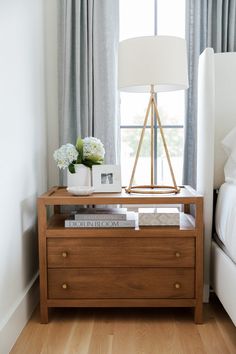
[[12, 325], [206, 293]]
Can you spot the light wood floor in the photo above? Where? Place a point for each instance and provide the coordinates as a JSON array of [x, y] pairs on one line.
[[129, 331]]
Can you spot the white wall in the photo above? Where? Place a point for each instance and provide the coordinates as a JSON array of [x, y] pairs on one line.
[[52, 88], [23, 159]]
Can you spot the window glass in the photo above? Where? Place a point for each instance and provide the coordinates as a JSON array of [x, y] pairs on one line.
[[171, 17], [174, 139], [133, 107], [130, 139], [136, 18], [171, 107]]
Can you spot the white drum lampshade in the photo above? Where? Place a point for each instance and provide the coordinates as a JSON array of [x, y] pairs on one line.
[[158, 60], [152, 64]]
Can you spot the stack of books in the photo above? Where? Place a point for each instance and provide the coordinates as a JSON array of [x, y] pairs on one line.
[[102, 218]]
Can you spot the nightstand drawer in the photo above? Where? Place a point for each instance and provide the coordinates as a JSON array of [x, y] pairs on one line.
[[121, 252], [114, 283]]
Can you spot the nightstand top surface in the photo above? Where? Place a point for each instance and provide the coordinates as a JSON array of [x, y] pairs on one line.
[[59, 195]]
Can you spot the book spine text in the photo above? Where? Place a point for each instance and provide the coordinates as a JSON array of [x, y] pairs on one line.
[[99, 223]]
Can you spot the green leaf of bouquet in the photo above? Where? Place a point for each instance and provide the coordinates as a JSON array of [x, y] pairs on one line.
[[90, 163], [71, 168], [79, 159], [79, 147], [95, 160]]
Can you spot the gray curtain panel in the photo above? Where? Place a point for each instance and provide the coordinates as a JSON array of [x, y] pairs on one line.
[[88, 35], [221, 25], [209, 23], [196, 29]]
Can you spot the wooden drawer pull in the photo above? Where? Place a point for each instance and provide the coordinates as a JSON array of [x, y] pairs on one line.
[[177, 254], [64, 286], [177, 285], [64, 254]]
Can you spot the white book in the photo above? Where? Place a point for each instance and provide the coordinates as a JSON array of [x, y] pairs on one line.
[[101, 223], [101, 214], [158, 216]]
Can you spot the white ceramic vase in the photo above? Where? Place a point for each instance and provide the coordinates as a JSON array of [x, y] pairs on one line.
[[81, 177]]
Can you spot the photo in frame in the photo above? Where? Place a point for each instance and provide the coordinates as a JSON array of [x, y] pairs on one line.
[[106, 178]]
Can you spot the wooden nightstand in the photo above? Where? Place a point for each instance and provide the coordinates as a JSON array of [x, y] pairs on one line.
[[120, 267]]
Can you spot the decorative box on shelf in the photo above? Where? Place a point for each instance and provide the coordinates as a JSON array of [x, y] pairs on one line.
[[158, 216]]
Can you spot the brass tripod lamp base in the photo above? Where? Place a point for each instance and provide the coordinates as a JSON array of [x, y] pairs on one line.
[[152, 188], [146, 189]]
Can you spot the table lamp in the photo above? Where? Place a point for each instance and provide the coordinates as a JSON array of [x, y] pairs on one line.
[[152, 64]]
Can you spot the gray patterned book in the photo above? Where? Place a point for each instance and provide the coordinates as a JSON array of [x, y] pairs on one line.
[[101, 214]]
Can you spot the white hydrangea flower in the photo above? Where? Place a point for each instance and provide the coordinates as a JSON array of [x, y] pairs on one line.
[[65, 155], [93, 149]]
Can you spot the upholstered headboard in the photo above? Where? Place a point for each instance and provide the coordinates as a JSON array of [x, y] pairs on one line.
[[216, 117]]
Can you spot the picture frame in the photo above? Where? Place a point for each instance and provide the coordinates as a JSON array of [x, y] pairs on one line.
[[106, 178]]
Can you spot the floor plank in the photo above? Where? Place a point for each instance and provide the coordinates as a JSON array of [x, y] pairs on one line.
[[129, 331], [226, 327]]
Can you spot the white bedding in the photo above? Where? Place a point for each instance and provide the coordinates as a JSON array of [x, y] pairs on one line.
[[225, 218]]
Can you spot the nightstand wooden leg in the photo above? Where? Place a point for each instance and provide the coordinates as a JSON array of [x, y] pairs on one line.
[[44, 314], [198, 318]]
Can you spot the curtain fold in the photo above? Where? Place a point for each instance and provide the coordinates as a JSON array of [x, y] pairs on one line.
[[209, 23], [196, 34], [88, 35]]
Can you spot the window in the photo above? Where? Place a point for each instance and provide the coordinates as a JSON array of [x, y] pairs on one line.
[[145, 18]]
